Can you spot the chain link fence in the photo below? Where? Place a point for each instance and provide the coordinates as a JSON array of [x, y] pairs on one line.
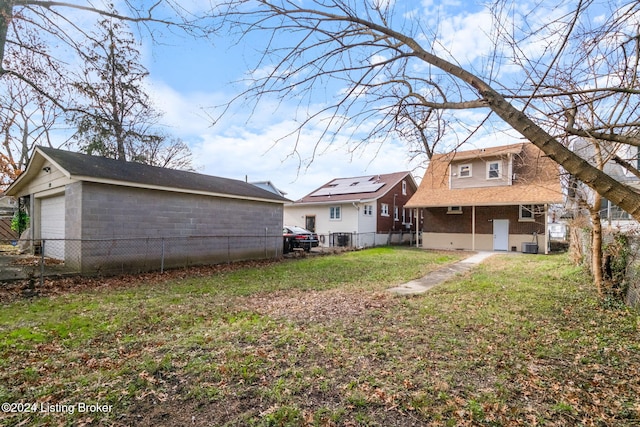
[[36, 259], [47, 257]]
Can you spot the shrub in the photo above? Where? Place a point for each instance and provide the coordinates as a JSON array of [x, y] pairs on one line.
[[20, 221]]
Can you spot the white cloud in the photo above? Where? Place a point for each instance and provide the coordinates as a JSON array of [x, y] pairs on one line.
[[255, 145], [252, 141]]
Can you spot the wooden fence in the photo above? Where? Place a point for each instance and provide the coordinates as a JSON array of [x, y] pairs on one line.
[[6, 233]]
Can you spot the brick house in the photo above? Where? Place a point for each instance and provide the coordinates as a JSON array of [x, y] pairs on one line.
[[93, 212], [368, 208], [494, 199]]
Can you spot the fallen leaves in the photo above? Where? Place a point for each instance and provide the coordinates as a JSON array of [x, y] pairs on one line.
[[524, 355]]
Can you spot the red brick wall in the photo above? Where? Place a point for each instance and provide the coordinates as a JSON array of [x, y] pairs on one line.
[[386, 223], [436, 220]]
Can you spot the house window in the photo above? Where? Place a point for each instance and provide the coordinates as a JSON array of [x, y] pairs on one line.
[[464, 171], [395, 213], [404, 188], [493, 170], [611, 212], [454, 210], [384, 209], [527, 213], [368, 210], [407, 219], [334, 212]]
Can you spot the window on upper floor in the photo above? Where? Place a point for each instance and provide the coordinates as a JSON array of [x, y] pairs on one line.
[[464, 171], [384, 209], [493, 170], [404, 188], [368, 210]]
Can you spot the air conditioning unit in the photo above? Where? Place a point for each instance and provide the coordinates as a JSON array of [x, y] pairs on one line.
[[529, 248]]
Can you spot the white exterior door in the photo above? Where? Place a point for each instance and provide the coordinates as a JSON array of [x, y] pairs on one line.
[[52, 223], [500, 234]]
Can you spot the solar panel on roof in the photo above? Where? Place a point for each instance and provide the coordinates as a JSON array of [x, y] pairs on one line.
[[349, 186]]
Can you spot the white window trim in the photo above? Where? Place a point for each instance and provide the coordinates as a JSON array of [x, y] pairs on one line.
[[494, 162], [454, 210], [404, 188], [367, 210], [384, 209], [405, 216], [467, 165], [530, 208], [335, 210]]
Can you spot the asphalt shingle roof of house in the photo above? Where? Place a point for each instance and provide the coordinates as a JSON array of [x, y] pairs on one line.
[[101, 169], [537, 180], [357, 188]]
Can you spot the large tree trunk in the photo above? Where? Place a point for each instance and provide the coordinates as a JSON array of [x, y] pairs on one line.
[[6, 10], [618, 193]]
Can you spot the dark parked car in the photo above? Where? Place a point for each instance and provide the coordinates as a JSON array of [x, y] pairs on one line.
[[298, 237]]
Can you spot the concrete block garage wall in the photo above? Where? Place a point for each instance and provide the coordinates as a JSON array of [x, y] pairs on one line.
[[127, 228]]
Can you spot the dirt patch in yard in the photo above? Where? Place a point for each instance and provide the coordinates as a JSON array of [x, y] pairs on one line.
[[318, 306]]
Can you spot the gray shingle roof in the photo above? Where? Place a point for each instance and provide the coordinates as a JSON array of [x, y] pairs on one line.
[[83, 166]]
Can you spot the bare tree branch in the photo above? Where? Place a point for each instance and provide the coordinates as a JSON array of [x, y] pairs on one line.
[[347, 41]]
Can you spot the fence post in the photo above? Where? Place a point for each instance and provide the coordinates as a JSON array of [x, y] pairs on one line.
[[162, 257], [42, 263]]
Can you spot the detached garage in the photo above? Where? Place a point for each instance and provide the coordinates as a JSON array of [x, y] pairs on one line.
[[103, 215]]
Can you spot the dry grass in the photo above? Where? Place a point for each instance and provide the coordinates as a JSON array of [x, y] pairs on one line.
[[318, 341]]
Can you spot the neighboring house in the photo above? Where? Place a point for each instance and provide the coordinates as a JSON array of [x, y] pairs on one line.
[[84, 205], [268, 185], [8, 205], [488, 199], [614, 157], [366, 208]]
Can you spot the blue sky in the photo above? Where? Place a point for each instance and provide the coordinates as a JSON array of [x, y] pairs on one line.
[[188, 77]]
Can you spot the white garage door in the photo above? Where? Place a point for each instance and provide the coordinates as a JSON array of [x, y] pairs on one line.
[[52, 214]]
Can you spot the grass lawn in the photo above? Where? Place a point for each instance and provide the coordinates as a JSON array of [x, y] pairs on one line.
[[521, 340]]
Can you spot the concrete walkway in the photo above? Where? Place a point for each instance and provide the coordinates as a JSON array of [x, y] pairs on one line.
[[422, 285]]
